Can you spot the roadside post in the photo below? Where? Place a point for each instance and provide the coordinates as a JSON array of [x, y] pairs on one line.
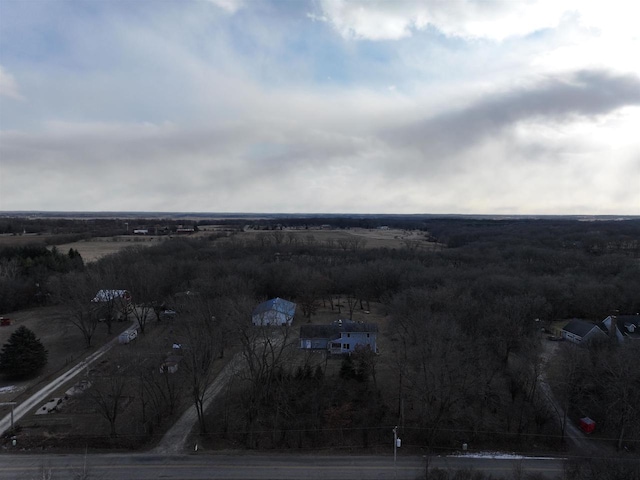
[[396, 444], [12, 404]]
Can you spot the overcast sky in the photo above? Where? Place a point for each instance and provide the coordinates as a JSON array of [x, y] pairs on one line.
[[449, 106]]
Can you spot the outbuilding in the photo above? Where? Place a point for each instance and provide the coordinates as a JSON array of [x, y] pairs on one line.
[[587, 425], [274, 312]]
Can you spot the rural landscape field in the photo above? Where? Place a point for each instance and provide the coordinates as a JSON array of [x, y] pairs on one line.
[[468, 317]]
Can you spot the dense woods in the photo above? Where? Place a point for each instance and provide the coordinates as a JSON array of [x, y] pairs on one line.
[[466, 309]]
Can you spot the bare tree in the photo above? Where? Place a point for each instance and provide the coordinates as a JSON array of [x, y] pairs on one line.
[[265, 351], [85, 319], [311, 288], [352, 303], [567, 379], [619, 377], [200, 349], [106, 392], [77, 293]]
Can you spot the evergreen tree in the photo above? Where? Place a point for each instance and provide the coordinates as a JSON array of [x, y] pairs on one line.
[[23, 355]]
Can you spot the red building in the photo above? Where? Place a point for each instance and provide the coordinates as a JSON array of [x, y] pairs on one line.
[[587, 425]]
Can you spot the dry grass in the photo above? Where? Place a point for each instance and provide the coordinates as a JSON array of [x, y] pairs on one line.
[[371, 238], [9, 240], [96, 248]]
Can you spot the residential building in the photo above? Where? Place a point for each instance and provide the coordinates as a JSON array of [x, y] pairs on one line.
[[341, 336], [579, 331], [274, 312]]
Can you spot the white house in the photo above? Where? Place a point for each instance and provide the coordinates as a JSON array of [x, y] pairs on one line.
[[579, 331], [342, 336]]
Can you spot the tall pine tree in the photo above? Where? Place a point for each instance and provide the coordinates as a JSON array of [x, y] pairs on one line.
[[23, 355]]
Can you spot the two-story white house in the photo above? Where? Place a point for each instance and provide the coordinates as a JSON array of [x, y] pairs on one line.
[[341, 336]]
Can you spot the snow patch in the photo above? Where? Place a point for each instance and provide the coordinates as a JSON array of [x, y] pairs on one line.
[[10, 389], [500, 456]]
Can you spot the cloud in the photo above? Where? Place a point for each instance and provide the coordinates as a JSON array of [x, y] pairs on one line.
[[581, 94], [230, 6], [491, 19], [384, 20], [186, 107], [9, 86]]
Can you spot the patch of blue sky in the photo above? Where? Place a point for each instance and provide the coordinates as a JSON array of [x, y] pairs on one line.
[[54, 34]]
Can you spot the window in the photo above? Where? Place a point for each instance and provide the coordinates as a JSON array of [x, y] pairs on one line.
[[348, 335], [345, 346]]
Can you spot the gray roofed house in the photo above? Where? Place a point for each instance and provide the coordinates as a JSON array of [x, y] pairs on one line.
[[626, 327], [579, 331], [341, 336]]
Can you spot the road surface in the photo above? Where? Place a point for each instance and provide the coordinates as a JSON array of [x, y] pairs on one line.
[[260, 467]]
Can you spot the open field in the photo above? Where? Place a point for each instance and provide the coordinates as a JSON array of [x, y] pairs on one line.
[[91, 250], [369, 238], [96, 248], [9, 240]]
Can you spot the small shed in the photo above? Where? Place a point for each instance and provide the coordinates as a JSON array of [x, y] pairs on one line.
[[170, 364], [587, 425]]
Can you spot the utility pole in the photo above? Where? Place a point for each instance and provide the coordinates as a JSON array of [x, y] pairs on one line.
[[12, 404], [396, 444]]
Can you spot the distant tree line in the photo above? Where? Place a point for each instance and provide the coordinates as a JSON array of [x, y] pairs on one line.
[[27, 274]]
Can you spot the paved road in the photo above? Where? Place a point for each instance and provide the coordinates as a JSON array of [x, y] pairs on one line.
[[259, 467], [45, 392]]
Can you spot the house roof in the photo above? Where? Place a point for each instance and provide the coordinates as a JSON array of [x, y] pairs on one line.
[[319, 331], [334, 329], [277, 304], [351, 326], [579, 327], [628, 325], [108, 295]]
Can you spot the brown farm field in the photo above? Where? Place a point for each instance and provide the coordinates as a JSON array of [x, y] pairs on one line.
[[98, 247], [370, 238], [90, 250]]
